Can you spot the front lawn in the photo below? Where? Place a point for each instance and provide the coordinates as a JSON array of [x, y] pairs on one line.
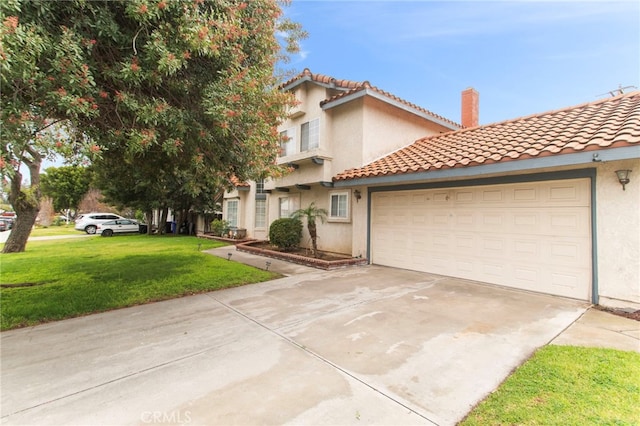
[[60, 279], [47, 231], [567, 385]]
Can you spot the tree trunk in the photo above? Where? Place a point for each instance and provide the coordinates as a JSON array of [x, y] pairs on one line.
[[26, 205], [17, 240], [314, 237], [149, 219], [162, 220]]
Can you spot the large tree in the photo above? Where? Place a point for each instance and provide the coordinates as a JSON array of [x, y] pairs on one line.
[[173, 86], [66, 186]]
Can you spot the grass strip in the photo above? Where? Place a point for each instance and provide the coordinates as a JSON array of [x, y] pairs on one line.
[[566, 385], [60, 279]]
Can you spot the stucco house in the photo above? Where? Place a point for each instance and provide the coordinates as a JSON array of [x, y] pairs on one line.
[[533, 203], [337, 125]]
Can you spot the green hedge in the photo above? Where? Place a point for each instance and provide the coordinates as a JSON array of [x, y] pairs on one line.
[[285, 233]]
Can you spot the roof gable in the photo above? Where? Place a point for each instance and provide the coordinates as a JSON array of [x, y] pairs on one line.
[[354, 89], [603, 124]]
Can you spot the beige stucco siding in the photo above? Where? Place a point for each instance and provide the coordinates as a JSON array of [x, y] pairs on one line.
[[346, 136], [618, 234], [387, 129]]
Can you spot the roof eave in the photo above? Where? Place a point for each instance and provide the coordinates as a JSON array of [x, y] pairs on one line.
[[307, 78], [579, 158], [377, 95], [296, 83]]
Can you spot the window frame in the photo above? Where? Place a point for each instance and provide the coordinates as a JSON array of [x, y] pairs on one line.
[[313, 129], [262, 214], [289, 147], [280, 201], [237, 212], [347, 198]]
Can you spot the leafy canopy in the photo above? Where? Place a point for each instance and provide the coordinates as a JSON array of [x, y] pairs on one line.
[[187, 87], [66, 186]]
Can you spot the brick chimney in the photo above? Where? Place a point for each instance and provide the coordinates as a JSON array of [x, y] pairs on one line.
[[470, 105]]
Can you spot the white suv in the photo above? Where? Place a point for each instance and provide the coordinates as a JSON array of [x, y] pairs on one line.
[[88, 222]]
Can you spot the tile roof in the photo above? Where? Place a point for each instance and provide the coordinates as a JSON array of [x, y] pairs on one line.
[[238, 183], [350, 87], [608, 123], [324, 79]]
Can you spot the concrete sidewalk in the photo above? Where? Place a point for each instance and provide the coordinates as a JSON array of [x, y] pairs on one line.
[[600, 329]]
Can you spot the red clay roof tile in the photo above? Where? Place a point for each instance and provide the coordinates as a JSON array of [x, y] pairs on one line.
[[238, 183], [607, 123]]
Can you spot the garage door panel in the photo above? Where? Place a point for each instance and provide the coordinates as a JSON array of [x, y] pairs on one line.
[[439, 198], [534, 236], [464, 197], [526, 248], [491, 196], [526, 194], [525, 277]]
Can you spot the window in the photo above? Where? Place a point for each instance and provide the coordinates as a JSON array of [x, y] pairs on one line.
[[232, 212], [260, 186], [339, 205], [288, 142], [261, 213], [284, 209], [309, 135]]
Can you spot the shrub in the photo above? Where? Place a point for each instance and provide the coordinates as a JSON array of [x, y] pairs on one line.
[[285, 233], [219, 227]]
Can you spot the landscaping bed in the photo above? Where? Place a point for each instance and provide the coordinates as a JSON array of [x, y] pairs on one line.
[[627, 313], [302, 256]]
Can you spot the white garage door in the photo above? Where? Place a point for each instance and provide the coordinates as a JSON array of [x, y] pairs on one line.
[[534, 236]]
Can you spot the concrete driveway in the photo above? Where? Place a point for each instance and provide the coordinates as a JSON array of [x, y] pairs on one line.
[[367, 345]]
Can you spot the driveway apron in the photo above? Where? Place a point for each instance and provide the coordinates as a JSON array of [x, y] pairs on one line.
[[366, 345]]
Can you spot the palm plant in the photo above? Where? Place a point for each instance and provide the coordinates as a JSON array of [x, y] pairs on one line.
[[311, 214]]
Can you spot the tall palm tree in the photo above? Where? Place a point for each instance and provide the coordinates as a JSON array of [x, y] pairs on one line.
[[312, 213]]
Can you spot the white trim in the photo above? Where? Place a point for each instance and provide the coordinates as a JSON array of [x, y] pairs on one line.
[[347, 195], [255, 214], [237, 221]]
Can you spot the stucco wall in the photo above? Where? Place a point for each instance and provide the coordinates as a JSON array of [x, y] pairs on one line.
[[387, 129], [618, 234], [345, 137], [332, 236]]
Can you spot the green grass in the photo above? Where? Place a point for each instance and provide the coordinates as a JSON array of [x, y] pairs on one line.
[[41, 231], [566, 385], [60, 279]]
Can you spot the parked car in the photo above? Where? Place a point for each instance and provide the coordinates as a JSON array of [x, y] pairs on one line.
[[9, 218], [89, 222], [4, 226], [118, 226]]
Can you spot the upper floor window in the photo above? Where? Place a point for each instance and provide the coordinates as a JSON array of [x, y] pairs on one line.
[[260, 186], [288, 142], [309, 135]]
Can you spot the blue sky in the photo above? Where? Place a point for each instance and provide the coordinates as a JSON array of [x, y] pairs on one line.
[[522, 57]]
